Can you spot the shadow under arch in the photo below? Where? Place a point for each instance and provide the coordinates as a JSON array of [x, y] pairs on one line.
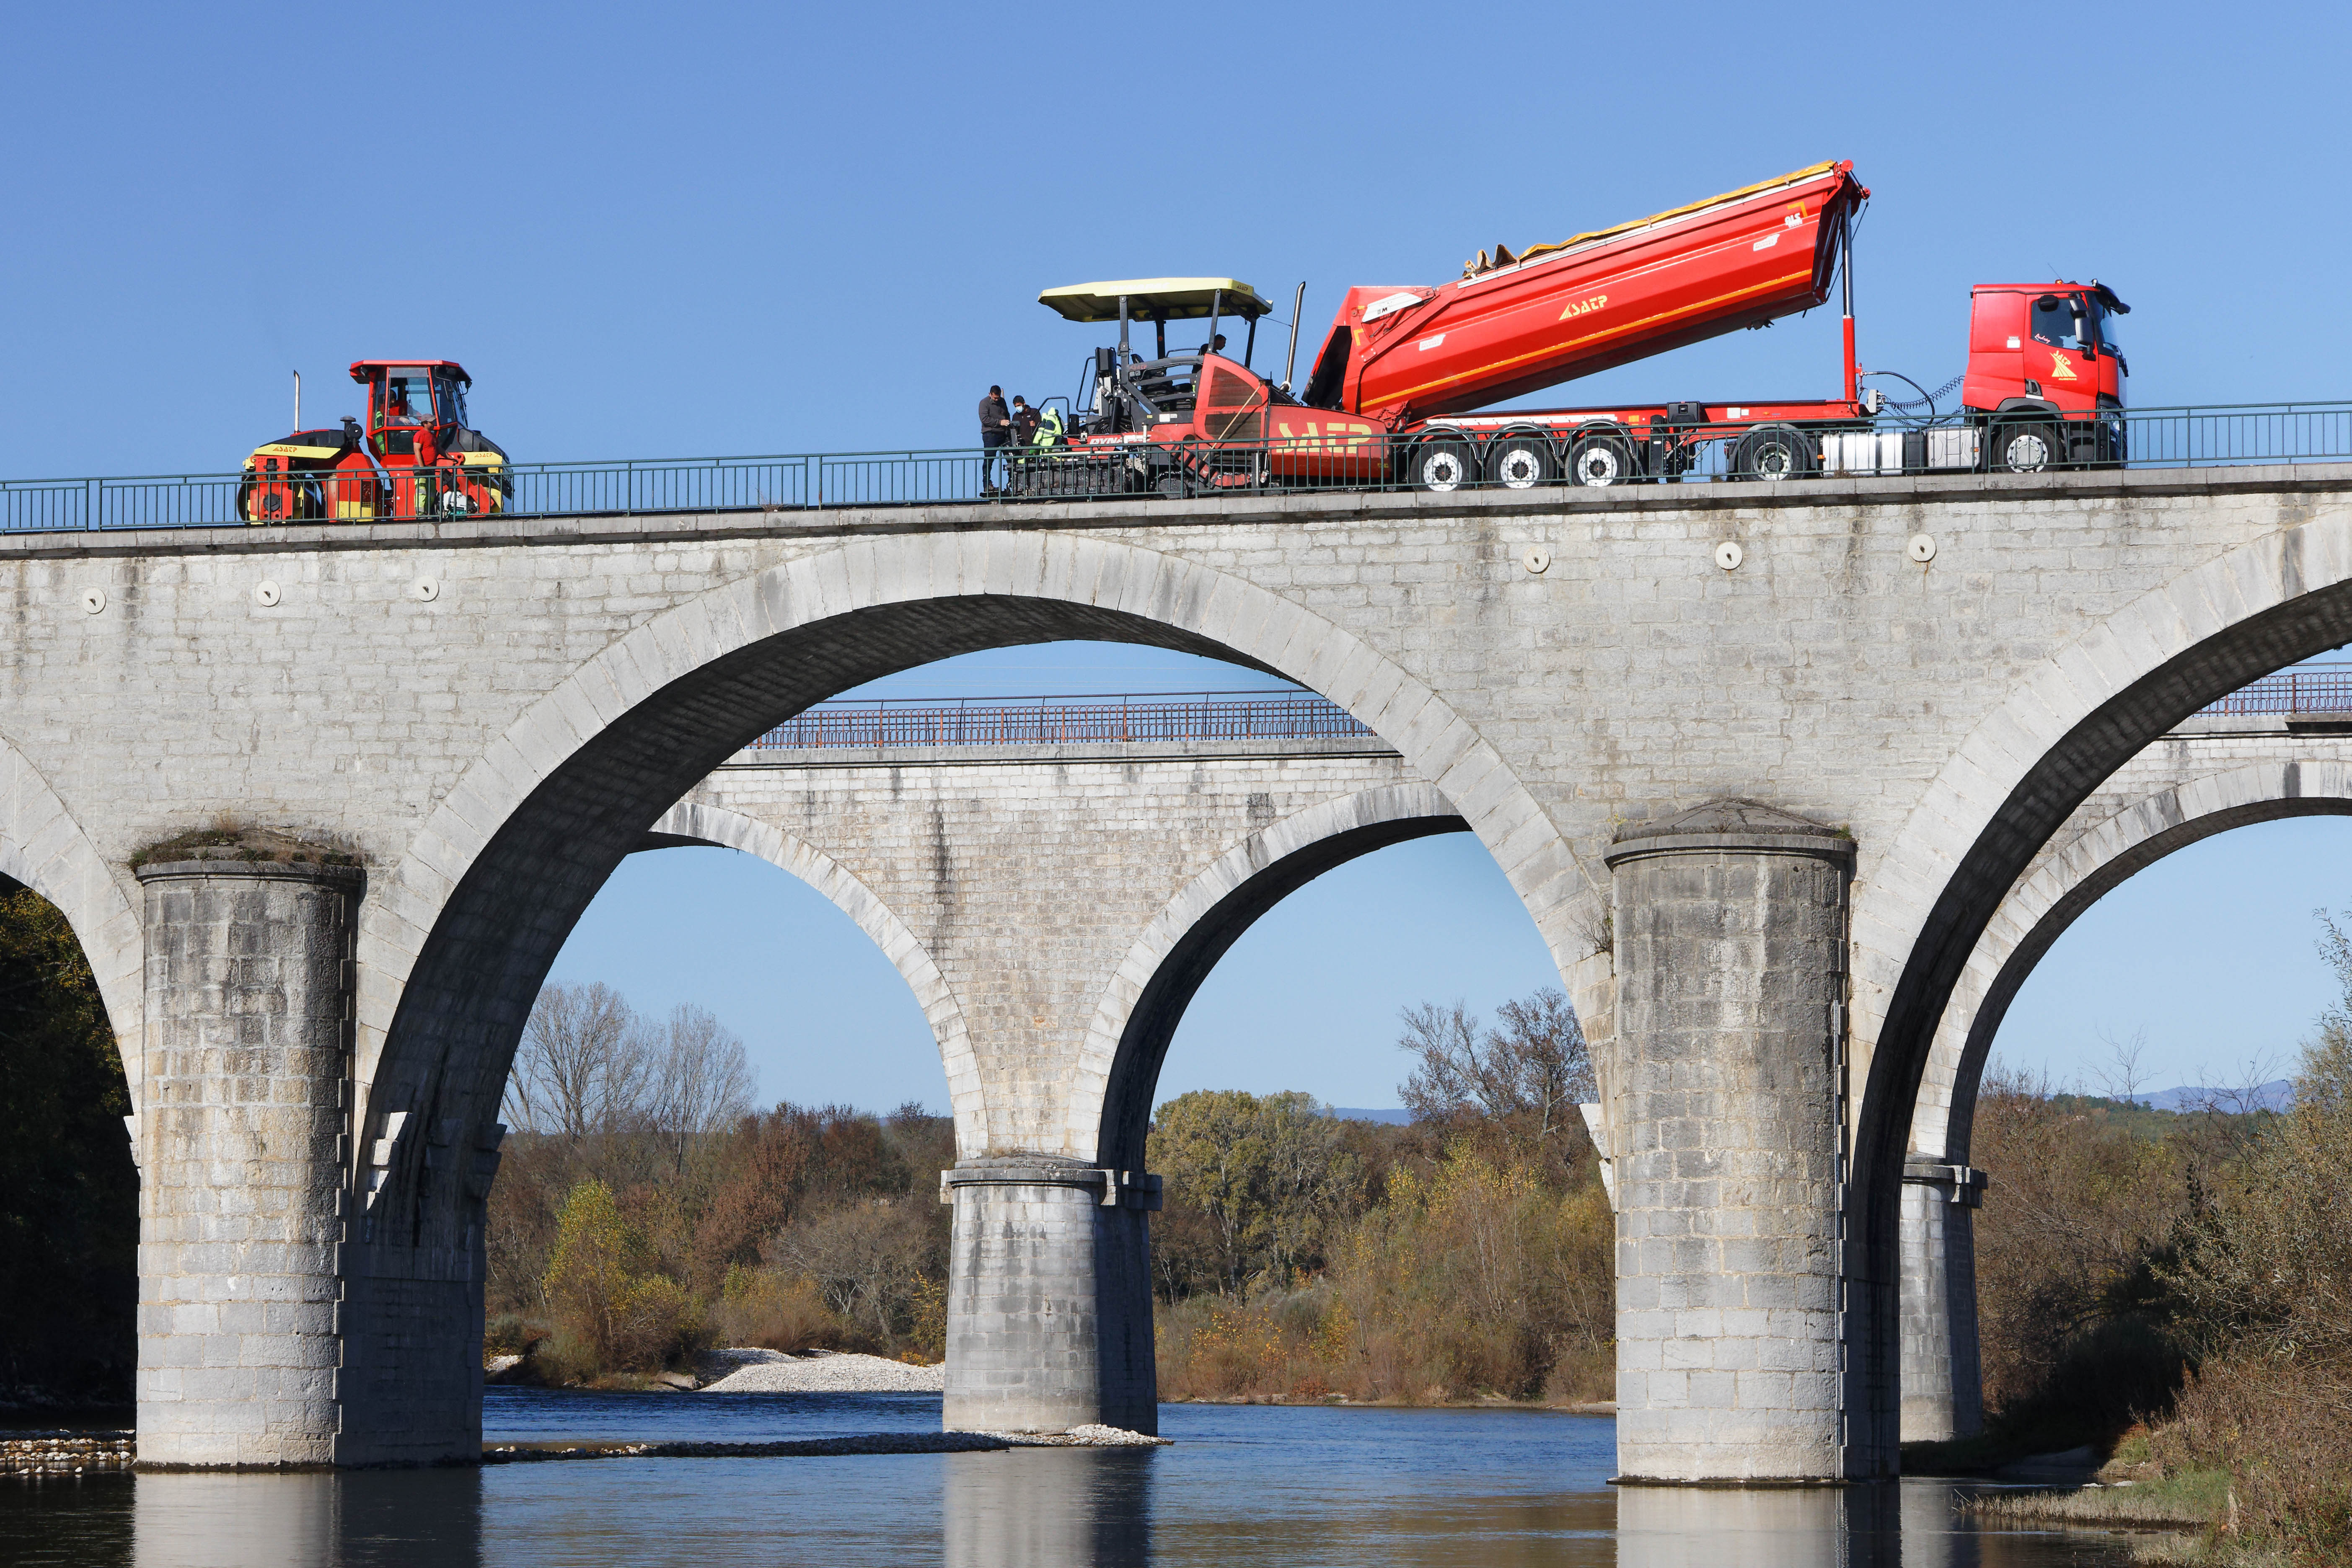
[[688, 823], [472, 916], [1127, 1038]]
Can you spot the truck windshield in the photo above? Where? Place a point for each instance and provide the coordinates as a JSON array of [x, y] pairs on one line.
[[2055, 323], [2107, 320]]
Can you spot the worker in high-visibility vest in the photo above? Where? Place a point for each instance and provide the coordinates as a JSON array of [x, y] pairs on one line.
[[1049, 427]]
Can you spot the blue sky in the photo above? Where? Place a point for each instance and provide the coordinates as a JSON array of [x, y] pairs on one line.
[[700, 229]]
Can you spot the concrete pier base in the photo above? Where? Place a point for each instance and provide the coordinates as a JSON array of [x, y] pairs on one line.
[[1049, 1298], [247, 1047], [1728, 1079], [1943, 1384]]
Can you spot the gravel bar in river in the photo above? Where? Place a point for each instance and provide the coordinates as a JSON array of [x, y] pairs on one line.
[[752, 1371]]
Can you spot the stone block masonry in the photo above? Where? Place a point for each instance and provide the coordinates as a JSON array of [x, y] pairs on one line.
[[490, 754], [1730, 1072], [2208, 776], [1031, 896], [247, 1048]]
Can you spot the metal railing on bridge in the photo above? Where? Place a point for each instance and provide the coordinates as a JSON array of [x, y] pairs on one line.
[[1321, 458], [2303, 688], [1067, 720], [886, 722]]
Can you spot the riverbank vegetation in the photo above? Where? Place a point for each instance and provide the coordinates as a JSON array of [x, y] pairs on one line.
[[2173, 1289], [68, 1191], [644, 1211], [2177, 1290], [1465, 1256]]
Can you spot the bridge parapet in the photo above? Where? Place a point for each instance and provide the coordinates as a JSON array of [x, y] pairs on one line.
[[2149, 439]]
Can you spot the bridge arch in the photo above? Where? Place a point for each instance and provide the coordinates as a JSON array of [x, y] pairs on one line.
[[693, 822], [1942, 1396], [472, 915], [2095, 862], [2066, 729], [44, 848], [2075, 720], [1136, 1017]]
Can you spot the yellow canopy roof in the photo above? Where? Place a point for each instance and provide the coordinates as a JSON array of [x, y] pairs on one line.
[[1155, 299]]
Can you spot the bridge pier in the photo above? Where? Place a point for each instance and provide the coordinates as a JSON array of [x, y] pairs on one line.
[[1049, 1298], [1943, 1386], [1730, 936], [246, 1045]]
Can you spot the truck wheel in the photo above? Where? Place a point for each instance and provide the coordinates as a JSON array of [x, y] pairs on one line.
[[1443, 466], [2026, 449], [1772, 453], [1599, 461], [1521, 460]]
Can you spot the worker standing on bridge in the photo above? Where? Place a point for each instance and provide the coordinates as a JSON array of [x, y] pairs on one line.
[[995, 429], [1049, 427]]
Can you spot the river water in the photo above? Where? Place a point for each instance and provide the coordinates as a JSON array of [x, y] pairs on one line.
[[1298, 1487]]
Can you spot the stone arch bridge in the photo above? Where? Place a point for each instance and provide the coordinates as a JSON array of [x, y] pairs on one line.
[[1760, 815], [1013, 884]]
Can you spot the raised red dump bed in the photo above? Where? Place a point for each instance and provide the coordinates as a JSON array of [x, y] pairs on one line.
[[1514, 324]]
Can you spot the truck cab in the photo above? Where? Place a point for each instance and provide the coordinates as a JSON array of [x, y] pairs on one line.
[[2047, 359]]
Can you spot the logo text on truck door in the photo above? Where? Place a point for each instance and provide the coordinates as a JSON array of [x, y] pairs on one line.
[[1338, 438]]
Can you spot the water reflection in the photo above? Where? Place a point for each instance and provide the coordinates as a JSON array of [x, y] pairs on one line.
[[1049, 1506], [1782, 1527], [1304, 1488], [424, 1517], [1906, 1524]]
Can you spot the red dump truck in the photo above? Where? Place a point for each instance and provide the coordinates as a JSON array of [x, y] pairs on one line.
[[1395, 391]]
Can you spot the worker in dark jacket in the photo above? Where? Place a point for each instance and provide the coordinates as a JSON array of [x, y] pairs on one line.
[[995, 430]]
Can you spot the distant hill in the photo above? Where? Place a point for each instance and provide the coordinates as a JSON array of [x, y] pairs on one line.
[[2276, 1095], [1357, 1113]]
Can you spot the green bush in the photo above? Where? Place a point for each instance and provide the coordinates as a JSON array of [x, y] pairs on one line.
[[758, 1307], [614, 1312]]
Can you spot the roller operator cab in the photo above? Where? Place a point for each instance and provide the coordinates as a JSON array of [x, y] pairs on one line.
[[418, 456]]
